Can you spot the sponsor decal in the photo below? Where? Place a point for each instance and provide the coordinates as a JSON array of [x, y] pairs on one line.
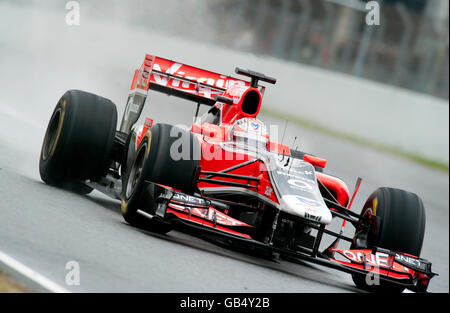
[[305, 172], [300, 184], [377, 259], [307, 208], [398, 262], [163, 80], [189, 199], [208, 92], [268, 191], [254, 125], [313, 217], [308, 202], [407, 260]]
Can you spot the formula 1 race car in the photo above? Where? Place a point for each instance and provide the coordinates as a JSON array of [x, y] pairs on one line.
[[224, 176]]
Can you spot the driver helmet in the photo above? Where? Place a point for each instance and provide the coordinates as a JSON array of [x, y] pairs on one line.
[[250, 132]]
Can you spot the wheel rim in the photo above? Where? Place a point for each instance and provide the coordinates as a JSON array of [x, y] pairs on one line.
[[363, 234], [135, 173], [52, 134]]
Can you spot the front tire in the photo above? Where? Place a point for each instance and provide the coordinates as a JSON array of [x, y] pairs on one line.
[[154, 163], [78, 141], [397, 222]]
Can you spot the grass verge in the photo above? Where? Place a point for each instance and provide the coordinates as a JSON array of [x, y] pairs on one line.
[[8, 286], [443, 167]]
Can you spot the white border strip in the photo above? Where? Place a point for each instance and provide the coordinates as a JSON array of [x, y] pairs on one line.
[[28, 276]]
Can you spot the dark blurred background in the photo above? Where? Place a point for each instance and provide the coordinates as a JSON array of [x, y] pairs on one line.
[[410, 47]]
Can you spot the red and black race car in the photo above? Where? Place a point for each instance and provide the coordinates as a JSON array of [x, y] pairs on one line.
[[224, 176]]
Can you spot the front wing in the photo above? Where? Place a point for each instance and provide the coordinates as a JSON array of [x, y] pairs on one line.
[[376, 265]]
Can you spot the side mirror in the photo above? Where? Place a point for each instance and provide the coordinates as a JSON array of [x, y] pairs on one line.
[[319, 162]]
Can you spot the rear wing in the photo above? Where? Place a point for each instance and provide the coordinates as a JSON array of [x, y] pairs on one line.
[[181, 80]]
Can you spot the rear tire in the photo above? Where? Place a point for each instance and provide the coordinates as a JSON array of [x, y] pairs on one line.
[[397, 222], [153, 163], [78, 141]]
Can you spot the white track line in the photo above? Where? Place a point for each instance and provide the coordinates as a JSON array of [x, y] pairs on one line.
[[30, 276]]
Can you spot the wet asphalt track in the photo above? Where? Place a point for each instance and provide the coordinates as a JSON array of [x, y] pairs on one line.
[[44, 227]]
